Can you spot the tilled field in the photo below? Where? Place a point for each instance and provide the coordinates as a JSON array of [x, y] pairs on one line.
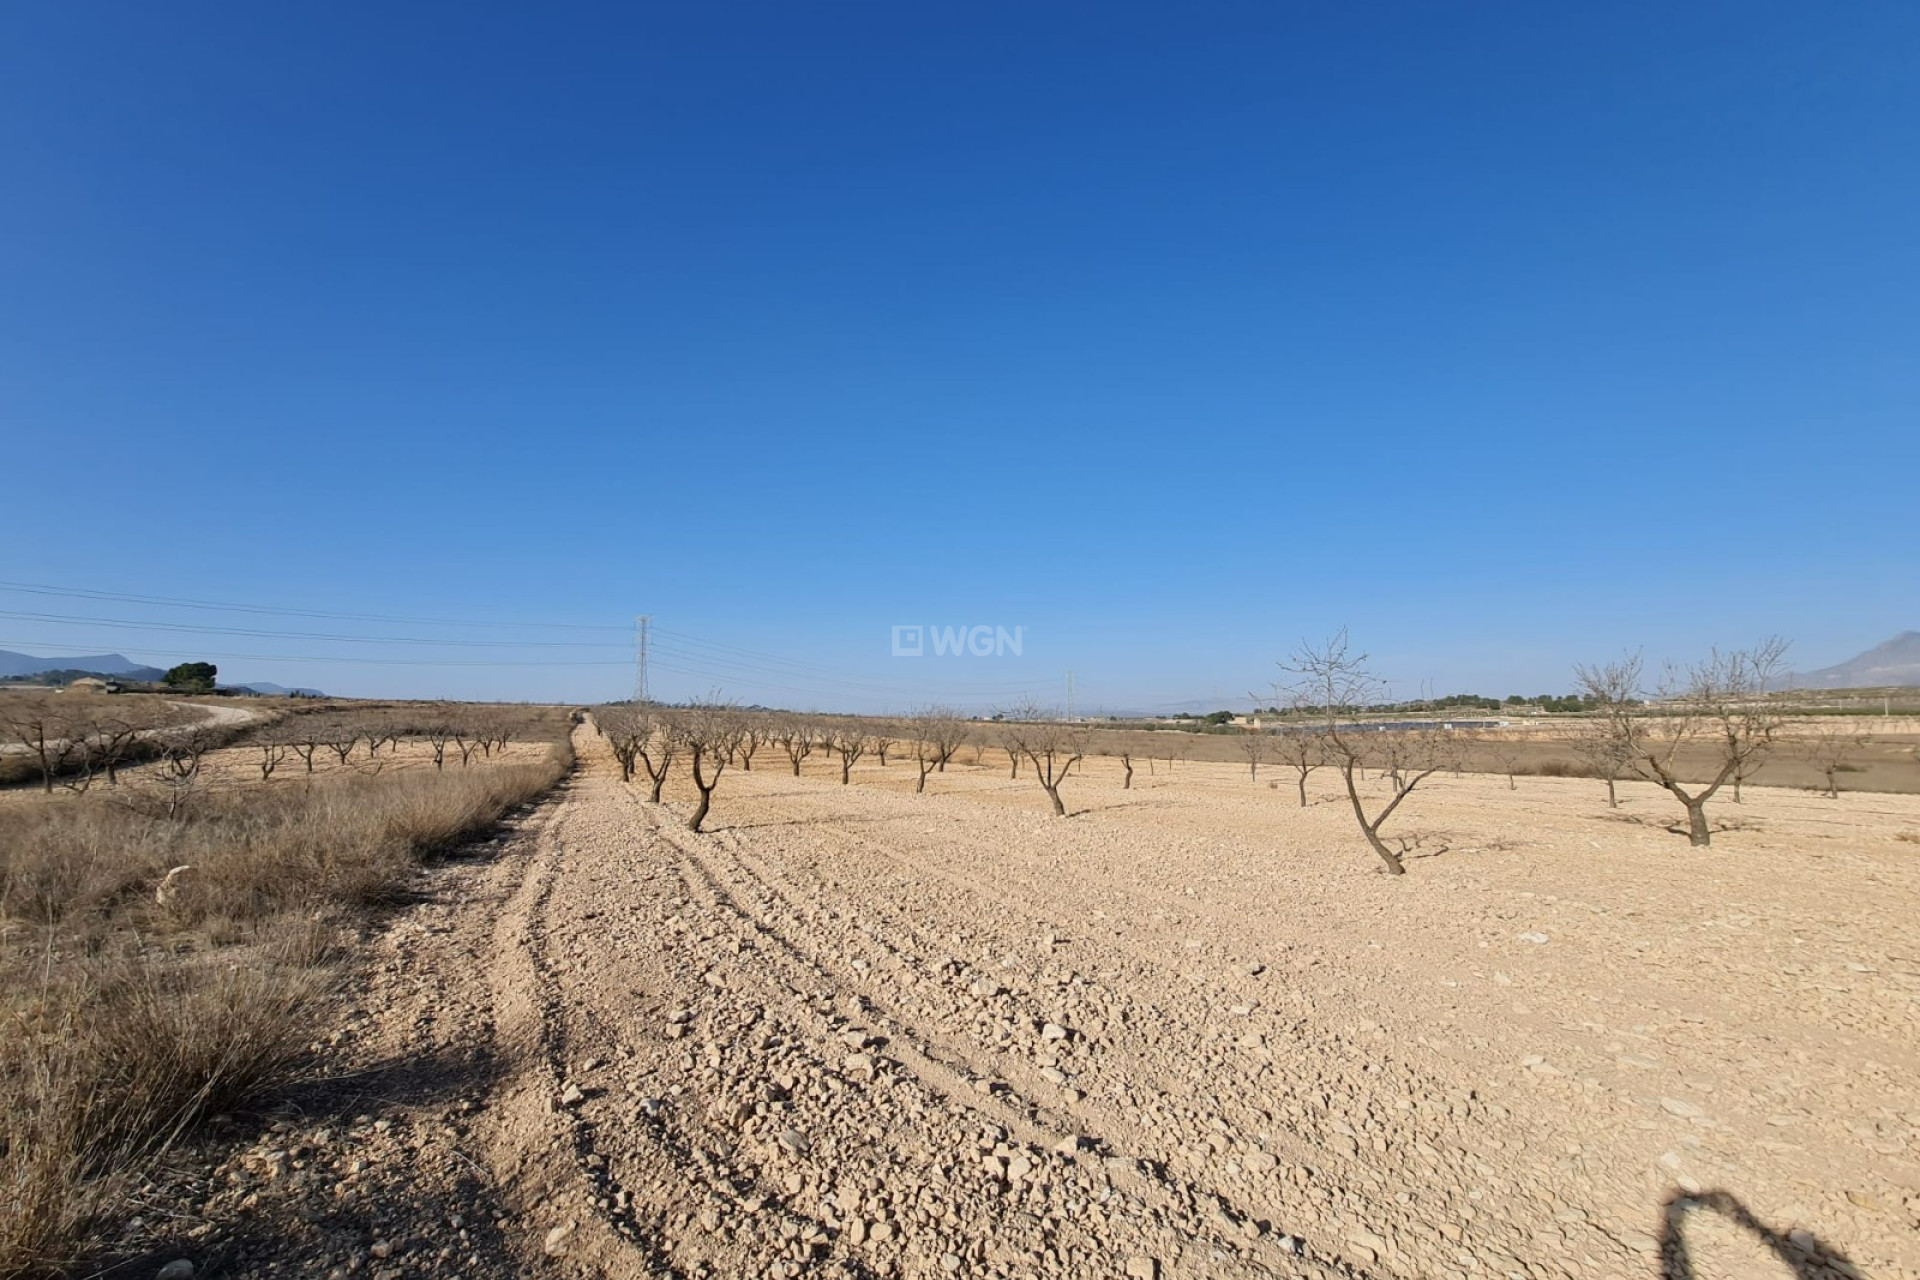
[[1189, 1031]]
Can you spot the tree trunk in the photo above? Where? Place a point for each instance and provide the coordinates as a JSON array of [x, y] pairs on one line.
[[1698, 834], [921, 785], [846, 768], [1053, 794], [700, 810], [1833, 788], [1395, 867], [1126, 784], [1303, 791], [1613, 801], [1392, 860], [1511, 784]]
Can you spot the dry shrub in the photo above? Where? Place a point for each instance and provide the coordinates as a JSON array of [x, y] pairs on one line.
[[253, 853], [103, 1072], [1556, 769], [112, 1050]]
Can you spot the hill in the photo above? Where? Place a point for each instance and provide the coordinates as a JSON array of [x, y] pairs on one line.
[[14, 665], [1894, 662]]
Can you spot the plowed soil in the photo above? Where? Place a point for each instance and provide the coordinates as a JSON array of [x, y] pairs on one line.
[[1189, 1031]]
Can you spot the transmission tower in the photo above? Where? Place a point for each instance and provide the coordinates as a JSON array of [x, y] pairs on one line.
[[641, 623]]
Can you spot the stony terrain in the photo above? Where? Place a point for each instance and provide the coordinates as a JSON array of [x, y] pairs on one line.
[[851, 1031]]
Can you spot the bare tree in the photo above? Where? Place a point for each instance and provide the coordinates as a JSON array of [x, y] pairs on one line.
[[1333, 683], [1301, 752], [1717, 705], [1048, 743], [625, 728], [947, 730], [1013, 758], [107, 738], [468, 734], [1126, 763], [795, 738], [710, 733], [659, 742], [302, 736], [339, 735], [1605, 751], [438, 732], [752, 734], [938, 732], [849, 742], [1253, 748], [272, 752], [1829, 746], [45, 729], [881, 741], [1507, 755]]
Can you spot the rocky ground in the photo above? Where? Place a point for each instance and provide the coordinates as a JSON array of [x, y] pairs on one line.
[[852, 1031]]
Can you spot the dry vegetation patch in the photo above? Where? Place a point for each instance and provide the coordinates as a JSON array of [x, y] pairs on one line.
[[165, 938]]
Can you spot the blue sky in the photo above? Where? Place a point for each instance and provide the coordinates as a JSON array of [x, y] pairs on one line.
[[1506, 335]]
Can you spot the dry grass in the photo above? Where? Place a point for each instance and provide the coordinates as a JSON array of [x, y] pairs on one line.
[[130, 1018]]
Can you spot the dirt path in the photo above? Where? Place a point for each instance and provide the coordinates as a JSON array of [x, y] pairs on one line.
[[858, 1032]]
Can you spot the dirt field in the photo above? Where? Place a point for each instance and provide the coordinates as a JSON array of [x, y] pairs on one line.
[[1188, 1032]]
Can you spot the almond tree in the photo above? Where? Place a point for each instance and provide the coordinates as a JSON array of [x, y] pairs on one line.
[[1829, 747], [938, 732], [945, 730], [795, 738], [340, 736], [1301, 752], [849, 742], [1606, 754], [710, 733], [46, 730], [1507, 754], [1717, 705], [624, 728], [752, 733], [1334, 683], [1048, 743], [1253, 747], [659, 743]]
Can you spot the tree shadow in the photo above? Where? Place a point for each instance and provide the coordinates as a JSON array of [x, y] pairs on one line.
[[825, 821], [1805, 1254], [1123, 804]]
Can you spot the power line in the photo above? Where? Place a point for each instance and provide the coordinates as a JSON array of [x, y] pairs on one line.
[[85, 593], [303, 635]]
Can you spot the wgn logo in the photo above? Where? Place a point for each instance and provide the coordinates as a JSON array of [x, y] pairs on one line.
[[910, 641]]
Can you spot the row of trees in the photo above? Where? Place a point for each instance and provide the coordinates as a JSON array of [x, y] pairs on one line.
[[714, 736], [70, 741], [1713, 711], [466, 731]]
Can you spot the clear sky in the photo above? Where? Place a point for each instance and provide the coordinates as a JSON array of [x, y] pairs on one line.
[[1508, 335]]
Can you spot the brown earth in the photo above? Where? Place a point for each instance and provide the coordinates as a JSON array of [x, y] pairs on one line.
[[852, 1031]]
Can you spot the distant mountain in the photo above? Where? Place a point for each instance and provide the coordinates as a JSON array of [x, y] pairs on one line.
[[1897, 662], [99, 664], [276, 690]]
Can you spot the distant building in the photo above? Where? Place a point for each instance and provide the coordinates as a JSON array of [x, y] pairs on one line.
[[93, 684]]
